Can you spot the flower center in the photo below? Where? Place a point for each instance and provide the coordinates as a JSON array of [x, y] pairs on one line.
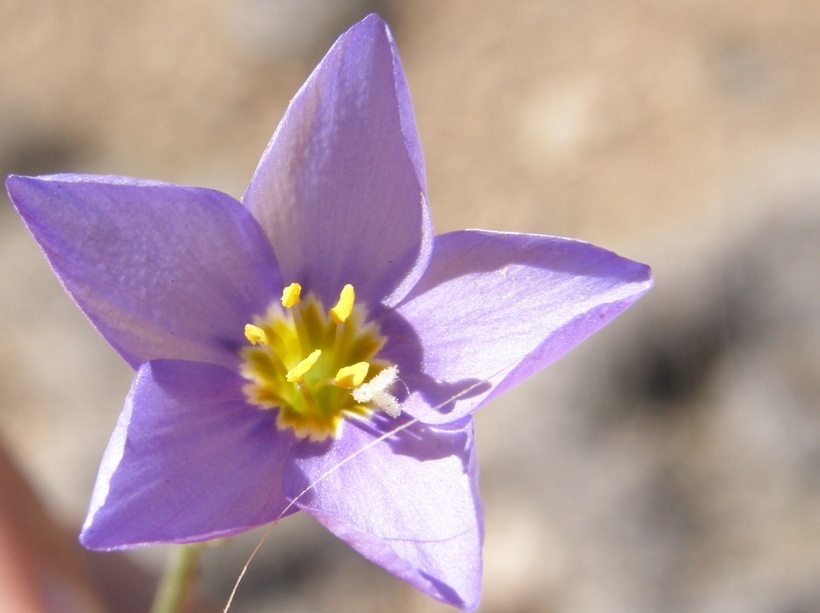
[[316, 367]]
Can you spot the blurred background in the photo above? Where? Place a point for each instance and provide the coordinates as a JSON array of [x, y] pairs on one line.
[[672, 462]]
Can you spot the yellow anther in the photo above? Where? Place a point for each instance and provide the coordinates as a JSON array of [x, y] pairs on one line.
[[255, 335], [298, 372], [352, 376], [291, 294], [344, 307]]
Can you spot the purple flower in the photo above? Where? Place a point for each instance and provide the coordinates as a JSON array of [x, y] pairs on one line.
[[315, 347]]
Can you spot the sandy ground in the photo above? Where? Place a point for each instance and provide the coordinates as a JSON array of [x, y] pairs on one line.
[[670, 464]]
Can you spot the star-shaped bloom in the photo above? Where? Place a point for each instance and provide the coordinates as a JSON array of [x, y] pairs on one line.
[[314, 347]]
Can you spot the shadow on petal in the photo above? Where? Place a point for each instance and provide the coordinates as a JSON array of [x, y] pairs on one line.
[[418, 440], [311, 449], [404, 348]]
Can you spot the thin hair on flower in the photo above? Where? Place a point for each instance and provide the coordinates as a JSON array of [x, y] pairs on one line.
[[386, 435]]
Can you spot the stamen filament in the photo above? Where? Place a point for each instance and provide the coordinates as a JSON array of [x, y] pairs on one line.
[[301, 329], [339, 338]]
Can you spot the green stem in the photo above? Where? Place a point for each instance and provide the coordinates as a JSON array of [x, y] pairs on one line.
[[179, 574]]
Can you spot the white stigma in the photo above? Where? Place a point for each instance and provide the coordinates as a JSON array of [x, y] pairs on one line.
[[375, 391]]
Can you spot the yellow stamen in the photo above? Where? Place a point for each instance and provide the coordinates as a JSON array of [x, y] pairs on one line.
[[298, 372], [352, 376], [291, 294], [344, 307], [309, 366], [255, 335]]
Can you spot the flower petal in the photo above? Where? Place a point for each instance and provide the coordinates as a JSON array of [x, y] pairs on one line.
[[408, 503], [162, 271], [188, 461], [340, 189], [494, 308]]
